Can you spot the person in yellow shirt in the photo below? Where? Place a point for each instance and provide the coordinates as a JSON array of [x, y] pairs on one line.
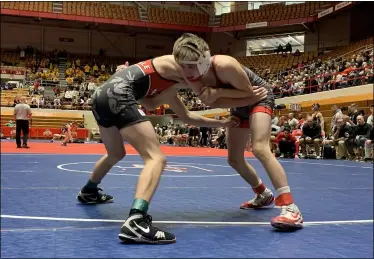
[[68, 72], [87, 70], [77, 71], [95, 69], [69, 80]]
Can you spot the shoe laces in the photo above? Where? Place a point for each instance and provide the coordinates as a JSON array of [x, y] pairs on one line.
[[286, 210], [261, 196], [148, 219]]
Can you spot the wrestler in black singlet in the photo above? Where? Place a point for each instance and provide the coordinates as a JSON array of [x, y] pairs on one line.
[[243, 113], [115, 102]]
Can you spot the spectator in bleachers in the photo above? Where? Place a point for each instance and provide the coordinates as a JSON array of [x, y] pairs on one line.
[[279, 49], [87, 70], [312, 135], [57, 103], [288, 47], [95, 69], [328, 75]]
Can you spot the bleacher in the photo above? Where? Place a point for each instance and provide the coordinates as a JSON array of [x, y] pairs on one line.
[[343, 50], [278, 63], [8, 96], [273, 12], [158, 15], [275, 62], [36, 6], [102, 10]]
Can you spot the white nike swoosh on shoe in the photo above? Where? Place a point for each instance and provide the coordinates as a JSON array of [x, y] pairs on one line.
[[85, 196], [146, 230]]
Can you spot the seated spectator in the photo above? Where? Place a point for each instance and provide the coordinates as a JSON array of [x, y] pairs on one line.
[[361, 133], [312, 134], [301, 121], [369, 145], [292, 121], [286, 144], [337, 113], [342, 131], [353, 112], [370, 118], [279, 49]]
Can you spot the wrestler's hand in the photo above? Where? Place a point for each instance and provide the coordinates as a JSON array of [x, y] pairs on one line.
[[232, 122], [208, 95], [120, 67], [259, 93]]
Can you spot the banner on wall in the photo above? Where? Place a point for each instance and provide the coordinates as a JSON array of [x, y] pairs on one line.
[[256, 25], [13, 70], [66, 39], [325, 12], [13, 73], [342, 5]]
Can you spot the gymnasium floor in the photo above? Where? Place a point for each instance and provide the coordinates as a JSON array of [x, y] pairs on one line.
[[197, 200]]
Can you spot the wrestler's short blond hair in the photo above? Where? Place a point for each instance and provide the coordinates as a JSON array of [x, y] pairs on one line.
[[183, 53]]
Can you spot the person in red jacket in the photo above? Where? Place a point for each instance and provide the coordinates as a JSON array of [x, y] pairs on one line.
[[286, 143]]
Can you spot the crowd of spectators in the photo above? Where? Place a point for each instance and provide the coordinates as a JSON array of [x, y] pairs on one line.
[[189, 135], [326, 75], [351, 134]]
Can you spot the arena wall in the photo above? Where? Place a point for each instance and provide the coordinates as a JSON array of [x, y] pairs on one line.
[[84, 41], [328, 32]]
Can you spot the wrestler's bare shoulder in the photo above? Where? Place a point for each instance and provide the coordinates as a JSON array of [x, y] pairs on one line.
[[222, 61], [168, 68]]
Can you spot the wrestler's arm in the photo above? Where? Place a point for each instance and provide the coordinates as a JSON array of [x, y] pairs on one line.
[[170, 96], [231, 71], [188, 117], [151, 103]]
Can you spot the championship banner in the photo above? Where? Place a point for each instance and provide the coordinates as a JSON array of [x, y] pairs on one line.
[[342, 5], [13, 71], [256, 25], [325, 12]]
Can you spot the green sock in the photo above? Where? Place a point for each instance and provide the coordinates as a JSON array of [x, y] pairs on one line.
[[139, 206]]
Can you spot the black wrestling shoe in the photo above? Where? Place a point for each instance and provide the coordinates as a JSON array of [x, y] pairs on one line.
[[93, 196], [138, 228]]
